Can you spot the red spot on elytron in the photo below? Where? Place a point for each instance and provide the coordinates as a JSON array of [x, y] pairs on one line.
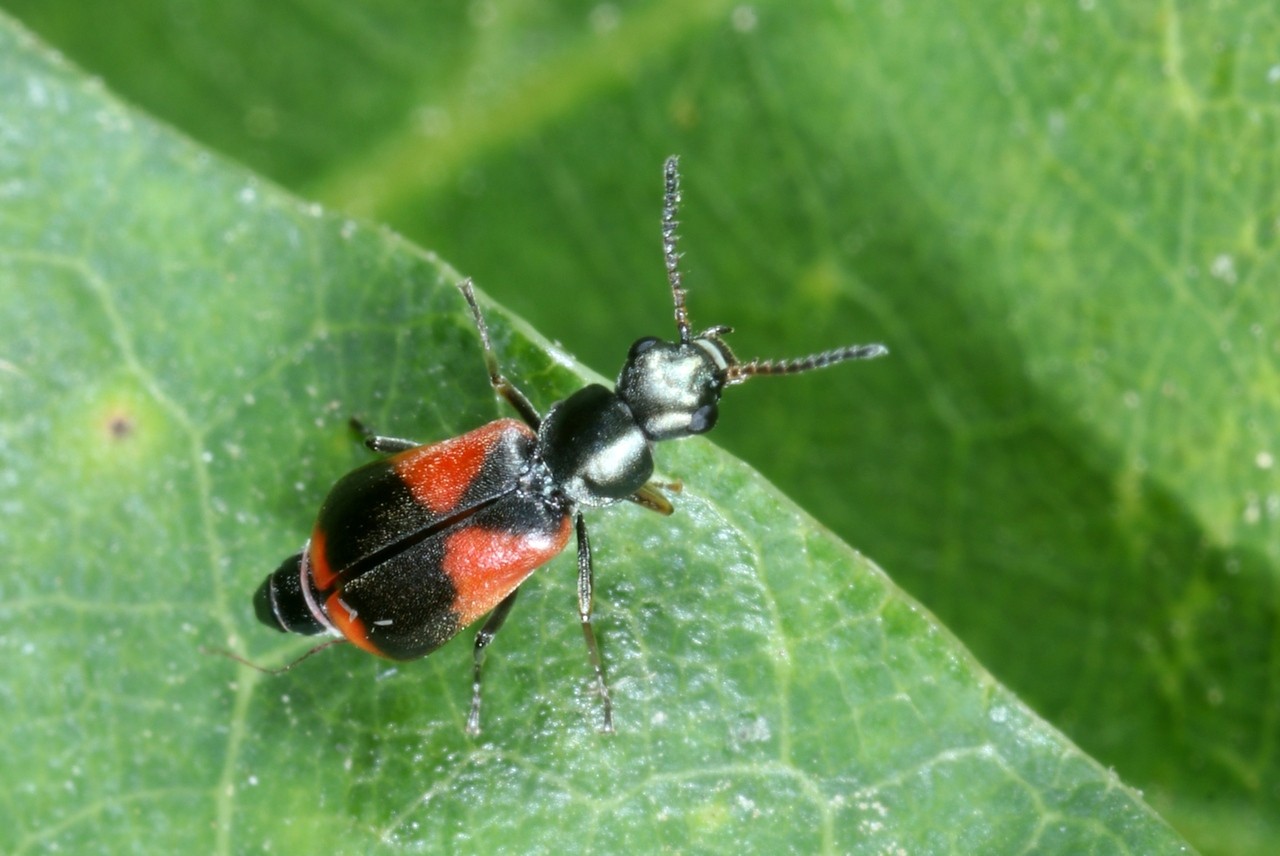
[[486, 565], [438, 475], [321, 573], [351, 626]]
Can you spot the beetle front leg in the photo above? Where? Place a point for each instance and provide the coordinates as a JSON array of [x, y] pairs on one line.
[[586, 585], [490, 629]]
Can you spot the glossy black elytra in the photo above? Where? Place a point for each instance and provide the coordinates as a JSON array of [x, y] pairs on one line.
[[409, 549]]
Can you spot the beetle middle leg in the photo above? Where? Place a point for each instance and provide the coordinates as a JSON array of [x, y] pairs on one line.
[[497, 380], [377, 443], [586, 585]]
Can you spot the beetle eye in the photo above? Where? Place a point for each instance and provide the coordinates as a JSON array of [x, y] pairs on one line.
[[703, 419], [642, 345]]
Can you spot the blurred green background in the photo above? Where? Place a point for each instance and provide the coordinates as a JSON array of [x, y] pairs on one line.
[[1062, 219]]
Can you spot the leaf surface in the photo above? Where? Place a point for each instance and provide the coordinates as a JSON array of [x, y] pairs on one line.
[[1059, 220]]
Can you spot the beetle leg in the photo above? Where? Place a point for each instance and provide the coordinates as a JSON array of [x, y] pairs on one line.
[[497, 380], [490, 629], [650, 496], [380, 444], [585, 587]]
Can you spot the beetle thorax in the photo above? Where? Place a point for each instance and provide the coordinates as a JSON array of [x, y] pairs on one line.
[[593, 449], [536, 480]]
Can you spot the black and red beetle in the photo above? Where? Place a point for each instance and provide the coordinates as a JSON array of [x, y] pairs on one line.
[[410, 549]]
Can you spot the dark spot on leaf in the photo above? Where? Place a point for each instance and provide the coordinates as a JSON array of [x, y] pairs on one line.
[[120, 426]]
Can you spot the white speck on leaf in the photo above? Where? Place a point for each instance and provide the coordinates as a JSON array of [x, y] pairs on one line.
[[744, 19], [1223, 267]]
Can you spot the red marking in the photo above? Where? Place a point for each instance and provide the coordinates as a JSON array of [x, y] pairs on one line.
[[439, 474], [486, 565], [350, 625], [321, 573]]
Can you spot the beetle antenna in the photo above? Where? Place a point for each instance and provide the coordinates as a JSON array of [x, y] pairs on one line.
[[739, 372], [670, 204], [280, 670]]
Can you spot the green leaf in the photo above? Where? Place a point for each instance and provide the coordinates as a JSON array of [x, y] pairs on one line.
[[185, 343], [1060, 219]]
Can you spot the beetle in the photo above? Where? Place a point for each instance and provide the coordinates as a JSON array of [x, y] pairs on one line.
[[409, 549]]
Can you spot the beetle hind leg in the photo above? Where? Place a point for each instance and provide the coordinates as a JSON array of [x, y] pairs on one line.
[[490, 629]]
